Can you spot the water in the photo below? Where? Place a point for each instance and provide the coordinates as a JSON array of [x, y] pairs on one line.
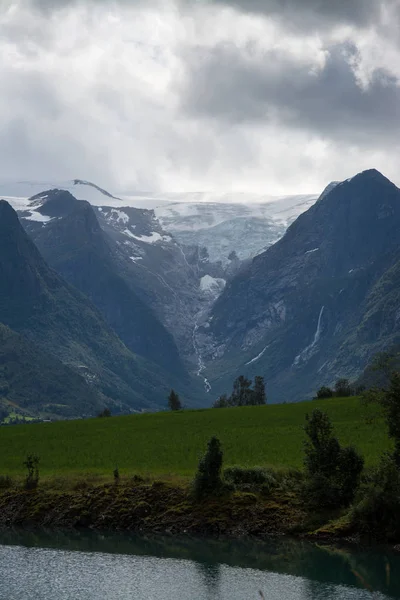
[[56, 566]]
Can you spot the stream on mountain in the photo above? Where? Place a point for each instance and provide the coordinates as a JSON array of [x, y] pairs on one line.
[[91, 566]]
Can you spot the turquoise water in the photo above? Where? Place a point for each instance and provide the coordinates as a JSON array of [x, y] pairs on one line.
[[56, 566]]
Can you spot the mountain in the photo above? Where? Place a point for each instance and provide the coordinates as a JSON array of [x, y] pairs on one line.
[[153, 274], [221, 222], [37, 303], [34, 382], [73, 243], [320, 302]]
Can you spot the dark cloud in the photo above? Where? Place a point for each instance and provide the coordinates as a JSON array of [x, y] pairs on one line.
[[226, 83], [311, 13]]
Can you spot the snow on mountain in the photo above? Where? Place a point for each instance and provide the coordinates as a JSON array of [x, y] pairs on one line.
[[212, 286], [221, 222], [248, 229]]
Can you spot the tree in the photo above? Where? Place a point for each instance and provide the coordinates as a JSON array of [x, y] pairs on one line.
[[242, 392], [391, 402], [259, 394], [333, 473], [221, 402], [343, 388], [208, 477], [174, 402], [105, 413], [324, 392]]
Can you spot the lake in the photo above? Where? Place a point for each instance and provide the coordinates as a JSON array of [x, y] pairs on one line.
[[72, 566]]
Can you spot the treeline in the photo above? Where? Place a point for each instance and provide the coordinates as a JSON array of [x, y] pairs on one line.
[[244, 393], [342, 389]]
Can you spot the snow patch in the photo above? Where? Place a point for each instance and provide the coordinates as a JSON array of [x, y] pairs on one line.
[[149, 239], [35, 216], [210, 284], [119, 216], [136, 258], [311, 251], [253, 360]]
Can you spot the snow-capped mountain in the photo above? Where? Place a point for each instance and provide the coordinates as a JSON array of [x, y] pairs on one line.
[[221, 223]]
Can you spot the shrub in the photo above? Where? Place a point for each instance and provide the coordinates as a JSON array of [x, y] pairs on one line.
[[376, 511], [116, 475], [208, 477], [255, 476], [32, 465], [5, 482]]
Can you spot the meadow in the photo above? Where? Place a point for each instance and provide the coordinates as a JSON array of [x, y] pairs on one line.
[[169, 444]]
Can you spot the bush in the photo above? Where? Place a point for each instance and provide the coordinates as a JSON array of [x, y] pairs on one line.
[[5, 482], [376, 511], [255, 477], [208, 477], [332, 473]]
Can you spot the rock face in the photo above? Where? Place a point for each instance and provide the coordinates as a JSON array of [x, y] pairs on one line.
[[37, 303], [75, 245], [317, 304], [34, 382]]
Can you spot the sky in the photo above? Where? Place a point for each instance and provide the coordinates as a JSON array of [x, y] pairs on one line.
[[262, 96]]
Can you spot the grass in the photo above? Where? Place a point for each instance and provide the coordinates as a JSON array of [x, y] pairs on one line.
[[169, 444]]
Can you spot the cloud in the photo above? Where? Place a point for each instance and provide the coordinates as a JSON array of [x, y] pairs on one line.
[[178, 94], [308, 13], [234, 85]]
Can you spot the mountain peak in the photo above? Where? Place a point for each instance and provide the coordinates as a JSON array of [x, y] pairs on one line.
[[370, 175], [7, 211]]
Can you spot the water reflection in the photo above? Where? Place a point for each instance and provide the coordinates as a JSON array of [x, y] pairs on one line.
[[130, 567]]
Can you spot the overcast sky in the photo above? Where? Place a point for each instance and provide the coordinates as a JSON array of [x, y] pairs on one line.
[[269, 96]]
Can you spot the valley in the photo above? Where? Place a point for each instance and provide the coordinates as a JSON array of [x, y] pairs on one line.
[[207, 287]]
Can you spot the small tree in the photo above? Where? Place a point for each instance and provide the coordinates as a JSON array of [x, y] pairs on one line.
[[174, 402], [105, 413], [208, 477], [221, 402], [324, 392], [343, 388], [242, 392], [259, 395], [32, 478]]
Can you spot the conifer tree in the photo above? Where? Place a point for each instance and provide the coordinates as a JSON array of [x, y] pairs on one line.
[[174, 402]]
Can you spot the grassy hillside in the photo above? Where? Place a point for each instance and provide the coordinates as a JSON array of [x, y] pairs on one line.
[[170, 443]]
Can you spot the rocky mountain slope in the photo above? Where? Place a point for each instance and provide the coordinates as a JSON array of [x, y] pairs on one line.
[[320, 302], [73, 243], [33, 382], [37, 303]]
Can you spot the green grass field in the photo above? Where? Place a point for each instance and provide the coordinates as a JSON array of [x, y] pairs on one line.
[[169, 444]]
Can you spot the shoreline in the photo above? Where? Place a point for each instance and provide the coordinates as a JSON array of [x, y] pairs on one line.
[[160, 508]]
